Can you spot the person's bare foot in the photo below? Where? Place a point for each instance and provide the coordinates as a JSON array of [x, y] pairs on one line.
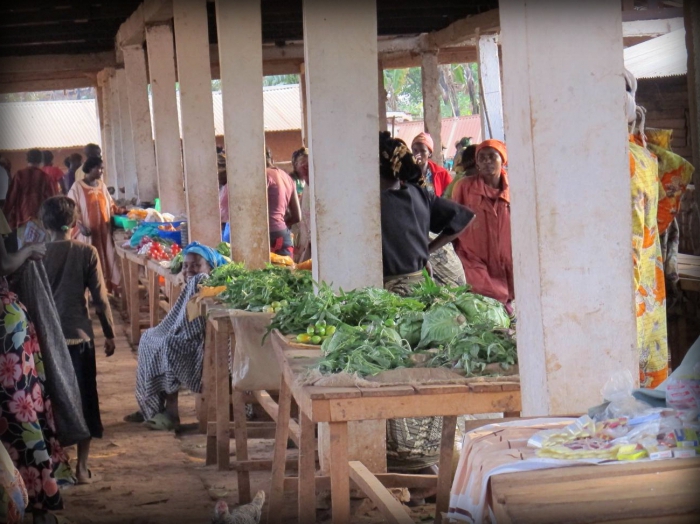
[[85, 476]]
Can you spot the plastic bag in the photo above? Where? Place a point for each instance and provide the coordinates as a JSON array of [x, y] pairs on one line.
[[618, 391], [255, 366], [683, 392]]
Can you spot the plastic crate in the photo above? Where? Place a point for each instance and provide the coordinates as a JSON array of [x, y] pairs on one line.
[[173, 236], [121, 221]]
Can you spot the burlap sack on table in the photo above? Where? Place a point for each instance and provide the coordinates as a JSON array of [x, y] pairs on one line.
[[255, 366]]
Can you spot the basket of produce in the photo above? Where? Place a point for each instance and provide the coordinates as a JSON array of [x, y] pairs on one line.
[[170, 231], [124, 222]]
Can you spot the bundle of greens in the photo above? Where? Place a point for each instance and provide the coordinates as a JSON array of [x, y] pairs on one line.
[[364, 350], [224, 274], [256, 290], [224, 248]]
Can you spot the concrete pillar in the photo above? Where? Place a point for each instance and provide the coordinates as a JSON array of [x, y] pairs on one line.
[[340, 42], [102, 93], [118, 150], [161, 65], [128, 153], [571, 215], [304, 111], [239, 27], [137, 86], [432, 120], [490, 77], [196, 103], [381, 97]]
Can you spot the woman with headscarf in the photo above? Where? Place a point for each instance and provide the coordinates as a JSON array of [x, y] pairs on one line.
[[410, 212], [437, 178], [170, 355], [485, 248]]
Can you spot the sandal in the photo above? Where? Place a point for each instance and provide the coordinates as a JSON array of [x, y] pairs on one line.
[[136, 416], [160, 422], [92, 477]]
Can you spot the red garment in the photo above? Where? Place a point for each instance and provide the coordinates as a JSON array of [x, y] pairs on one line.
[[485, 247], [441, 178], [54, 173], [29, 188], [280, 189]]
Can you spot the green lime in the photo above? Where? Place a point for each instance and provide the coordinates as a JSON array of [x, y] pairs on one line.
[[311, 330], [275, 304], [330, 330], [268, 309], [316, 340], [320, 331], [304, 338], [284, 303], [321, 323]]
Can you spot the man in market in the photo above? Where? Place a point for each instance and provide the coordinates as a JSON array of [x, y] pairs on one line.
[[90, 151]]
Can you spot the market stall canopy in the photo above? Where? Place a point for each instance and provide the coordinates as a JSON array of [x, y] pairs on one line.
[[660, 57]]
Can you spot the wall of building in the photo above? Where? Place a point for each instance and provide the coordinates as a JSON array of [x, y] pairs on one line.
[[666, 102], [18, 159]]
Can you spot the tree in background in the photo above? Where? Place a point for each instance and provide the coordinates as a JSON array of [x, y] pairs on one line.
[[458, 83]]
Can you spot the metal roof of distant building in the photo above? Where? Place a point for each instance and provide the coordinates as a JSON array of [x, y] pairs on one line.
[[73, 123], [665, 55], [48, 124], [453, 130]]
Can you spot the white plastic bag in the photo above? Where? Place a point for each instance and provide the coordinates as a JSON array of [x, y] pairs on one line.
[[618, 391], [255, 366]]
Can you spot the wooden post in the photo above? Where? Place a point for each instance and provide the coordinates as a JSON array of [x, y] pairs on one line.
[[432, 120], [129, 168], [691, 12], [340, 42], [196, 103], [559, 121], [118, 150], [104, 92], [490, 80], [382, 97], [166, 126], [137, 85], [240, 55]]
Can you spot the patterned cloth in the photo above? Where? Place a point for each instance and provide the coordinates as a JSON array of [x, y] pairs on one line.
[[652, 342], [13, 493], [170, 355], [447, 267], [27, 427]]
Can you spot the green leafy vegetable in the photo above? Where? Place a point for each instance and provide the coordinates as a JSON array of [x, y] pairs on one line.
[[483, 310], [224, 274], [224, 248], [440, 325]]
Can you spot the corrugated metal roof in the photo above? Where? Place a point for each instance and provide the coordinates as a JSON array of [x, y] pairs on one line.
[[665, 55], [48, 124], [73, 123], [453, 130]]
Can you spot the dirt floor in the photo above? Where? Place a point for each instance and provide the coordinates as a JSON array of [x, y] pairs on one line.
[[149, 477]]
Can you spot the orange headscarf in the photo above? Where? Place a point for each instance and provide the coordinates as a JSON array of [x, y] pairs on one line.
[[501, 148], [424, 138]]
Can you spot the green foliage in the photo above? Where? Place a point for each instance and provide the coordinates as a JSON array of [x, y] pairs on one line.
[[254, 290]]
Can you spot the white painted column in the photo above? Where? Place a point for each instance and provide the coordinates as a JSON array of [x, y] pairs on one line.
[[239, 26], [196, 103], [118, 150], [340, 42], [128, 153], [161, 64], [490, 77], [103, 116], [432, 120], [304, 111], [137, 86], [571, 214], [381, 97]]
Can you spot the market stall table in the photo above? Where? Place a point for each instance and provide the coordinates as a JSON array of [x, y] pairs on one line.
[[338, 406]]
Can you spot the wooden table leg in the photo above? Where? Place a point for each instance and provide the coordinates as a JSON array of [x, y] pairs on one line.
[[340, 472], [124, 298], [153, 298], [307, 470], [447, 444], [208, 392], [241, 432], [279, 459], [134, 303], [223, 440]]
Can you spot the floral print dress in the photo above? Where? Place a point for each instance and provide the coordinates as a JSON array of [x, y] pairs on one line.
[[27, 428]]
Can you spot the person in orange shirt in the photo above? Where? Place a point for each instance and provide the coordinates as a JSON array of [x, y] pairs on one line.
[[485, 247]]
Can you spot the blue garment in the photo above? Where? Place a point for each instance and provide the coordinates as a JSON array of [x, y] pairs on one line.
[[212, 256], [227, 232]]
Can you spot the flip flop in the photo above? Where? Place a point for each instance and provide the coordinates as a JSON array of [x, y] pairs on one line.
[[160, 422], [92, 478], [136, 416]]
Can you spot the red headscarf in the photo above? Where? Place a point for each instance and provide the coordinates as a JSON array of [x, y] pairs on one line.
[[501, 148], [424, 138]]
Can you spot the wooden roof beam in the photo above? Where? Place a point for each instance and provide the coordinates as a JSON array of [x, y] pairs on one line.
[[463, 30], [48, 84], [133, 31], [48, 64], [650, 28]]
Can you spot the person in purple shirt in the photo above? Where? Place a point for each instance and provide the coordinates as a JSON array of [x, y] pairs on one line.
[[74, 162]]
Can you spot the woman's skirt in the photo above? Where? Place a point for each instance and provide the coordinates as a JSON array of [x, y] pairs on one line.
[[83, 357]]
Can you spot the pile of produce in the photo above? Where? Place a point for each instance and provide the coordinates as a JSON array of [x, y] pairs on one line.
[[373, 330], [224, 249], [159, 249]]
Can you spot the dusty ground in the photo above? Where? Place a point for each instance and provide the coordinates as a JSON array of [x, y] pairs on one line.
[[149, 477]]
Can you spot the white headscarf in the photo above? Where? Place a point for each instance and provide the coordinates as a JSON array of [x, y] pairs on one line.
[[630, 101]]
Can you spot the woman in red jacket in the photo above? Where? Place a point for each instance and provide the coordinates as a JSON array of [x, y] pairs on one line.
[[437, 177]]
